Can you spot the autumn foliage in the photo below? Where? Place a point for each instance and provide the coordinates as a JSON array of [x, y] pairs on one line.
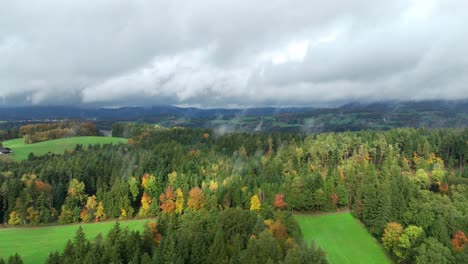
[[42, 186], [153, 228], [255, 204], [180, 201], [196, 198], [145, 204], [279, 201], [391, 235], [459, 241], [278, 230], [166, 200], [43, 132]]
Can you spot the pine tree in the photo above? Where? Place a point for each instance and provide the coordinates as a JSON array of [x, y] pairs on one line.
[[218, 251]]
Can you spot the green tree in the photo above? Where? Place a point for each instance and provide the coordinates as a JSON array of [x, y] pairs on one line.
[[218, 251], [432, 251]]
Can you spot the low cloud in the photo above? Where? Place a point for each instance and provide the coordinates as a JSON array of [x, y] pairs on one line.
[[243, 53]]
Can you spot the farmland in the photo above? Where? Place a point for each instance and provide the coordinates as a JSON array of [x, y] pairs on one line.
[[343, 238], [57, 146], [35, 244]]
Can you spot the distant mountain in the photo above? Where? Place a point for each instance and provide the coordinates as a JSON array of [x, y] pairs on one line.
[[459, 106], [126, 113], [348, 117]]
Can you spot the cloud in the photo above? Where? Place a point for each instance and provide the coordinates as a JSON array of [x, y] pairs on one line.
[[219, 53]]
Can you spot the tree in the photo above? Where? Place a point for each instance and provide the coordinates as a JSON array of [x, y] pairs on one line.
[[407, 241], [66, 215], [255, 204], [278, 230], [145, 204], [90, 209], [432, 251], [391, 235], [15, 259], [422, 179], [76, 190], [459, 241], [100, 214], [335, 199], [180, 201], [15, 218], [150, 185], [85, 215], [155, 234], [438, 173], [279, 202], [33, 216], [218, 251], [263, 249], [134, 189], [196, 198], [166, 201]]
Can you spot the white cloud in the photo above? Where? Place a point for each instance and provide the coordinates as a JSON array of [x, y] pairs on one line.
[[294, 52]]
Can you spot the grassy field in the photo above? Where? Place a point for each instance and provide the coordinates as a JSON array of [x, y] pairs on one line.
[[35, 244], [343, 238], [57, 146]]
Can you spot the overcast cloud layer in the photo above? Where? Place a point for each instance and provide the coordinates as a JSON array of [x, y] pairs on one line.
[[211, 53]]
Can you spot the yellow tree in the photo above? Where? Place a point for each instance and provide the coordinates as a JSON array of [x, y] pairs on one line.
[[172, 178], [391, 235], [85, 215], [145, 204], [213, 185], [76, 190], [255, 204], [33, 216], [100, 214], [180, 201], [149, 184], [91, 204], [14, 218]]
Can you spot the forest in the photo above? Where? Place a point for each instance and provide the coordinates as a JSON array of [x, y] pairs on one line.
[[230, 198], [34, 133]]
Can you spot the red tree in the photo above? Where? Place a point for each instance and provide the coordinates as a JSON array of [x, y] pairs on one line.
[[279, 201], [167, 201]]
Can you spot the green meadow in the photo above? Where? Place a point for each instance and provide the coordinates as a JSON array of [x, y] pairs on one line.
[[56, 146], [35, 243], [343, 238]]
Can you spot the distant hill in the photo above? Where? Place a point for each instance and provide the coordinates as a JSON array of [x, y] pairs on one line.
[[351, 116], [125, 113]]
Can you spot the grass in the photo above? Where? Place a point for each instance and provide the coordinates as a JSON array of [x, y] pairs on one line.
[[57, 146], [35, 244], [343, 238]]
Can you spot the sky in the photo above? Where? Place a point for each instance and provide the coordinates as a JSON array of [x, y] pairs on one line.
[[212, 53]]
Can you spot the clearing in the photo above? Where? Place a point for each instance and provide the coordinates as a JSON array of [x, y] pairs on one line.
[[57, 146], [343, 238], [35, 243]]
